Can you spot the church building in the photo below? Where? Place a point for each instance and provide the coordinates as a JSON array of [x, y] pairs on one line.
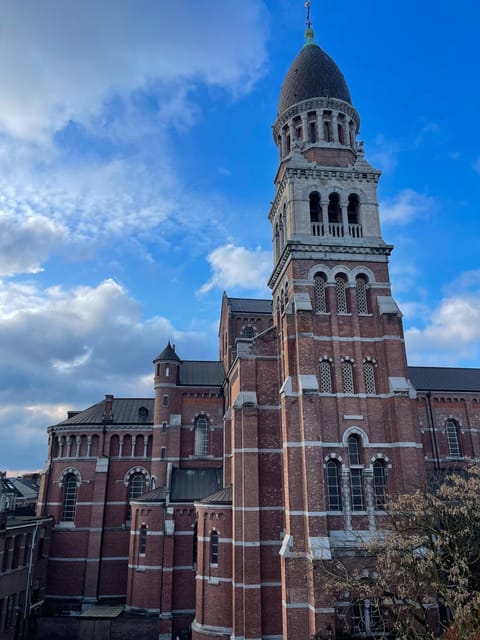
[[203, 509]]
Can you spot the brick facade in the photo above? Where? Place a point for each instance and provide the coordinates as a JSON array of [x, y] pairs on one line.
[[205, 507]]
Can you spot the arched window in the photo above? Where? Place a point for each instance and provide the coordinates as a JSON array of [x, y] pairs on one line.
[[453, 440], [333, 486], [201, 436], [353, 209], [341, 132], [347, 377], [214, 547], [313, 132], [143, 540], [69, 497], [320, 283], [325, 376], [361, 291], [356, 473], [315, 207], [353, 449], [369, 377], [379, 484], [248, 332], [334, 209], [136, 488], [341, 293]]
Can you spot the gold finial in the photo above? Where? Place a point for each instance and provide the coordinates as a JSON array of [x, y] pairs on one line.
[[309, 34]]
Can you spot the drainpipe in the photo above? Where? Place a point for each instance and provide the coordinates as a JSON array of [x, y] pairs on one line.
[[433, 435], [105, 495], [28, 591]]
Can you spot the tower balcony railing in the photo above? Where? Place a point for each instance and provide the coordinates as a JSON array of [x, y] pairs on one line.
[[336, 230]]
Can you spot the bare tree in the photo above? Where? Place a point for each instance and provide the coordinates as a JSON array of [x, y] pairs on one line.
[[419, 577]]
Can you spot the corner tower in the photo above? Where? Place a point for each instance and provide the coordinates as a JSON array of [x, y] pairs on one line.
[[347, 426]]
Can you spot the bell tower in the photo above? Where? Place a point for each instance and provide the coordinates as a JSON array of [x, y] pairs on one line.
[[348, 431]]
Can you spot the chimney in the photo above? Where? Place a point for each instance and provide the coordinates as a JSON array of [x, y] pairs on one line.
[[108, 409]]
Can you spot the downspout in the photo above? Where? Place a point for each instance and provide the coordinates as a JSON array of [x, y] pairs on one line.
[[433, 435], [102, 534], [29, 574], [47, 480]]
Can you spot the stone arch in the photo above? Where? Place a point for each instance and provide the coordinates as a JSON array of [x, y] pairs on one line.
[[70, 471], [134, 470], [355, 430]]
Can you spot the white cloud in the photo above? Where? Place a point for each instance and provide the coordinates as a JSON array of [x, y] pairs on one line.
[[405, 207], [65, 348], [384, 154], [234, 267], [77, 341], [451, 335], [81, 55], [26, 239]]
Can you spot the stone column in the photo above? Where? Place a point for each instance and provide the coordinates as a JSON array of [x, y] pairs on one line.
[[370, 496], [326, 229], [344, 210], [347, 502], [320, 124], [305, 127]]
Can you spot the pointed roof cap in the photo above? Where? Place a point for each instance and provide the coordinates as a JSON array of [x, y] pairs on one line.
[[168, 354]]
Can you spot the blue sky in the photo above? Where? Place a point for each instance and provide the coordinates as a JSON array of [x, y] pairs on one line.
[[136, 172]]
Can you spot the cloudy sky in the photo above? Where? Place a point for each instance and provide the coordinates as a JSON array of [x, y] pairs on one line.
[[136, 169]]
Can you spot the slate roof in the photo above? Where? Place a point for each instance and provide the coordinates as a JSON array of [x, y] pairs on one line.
[[445, 379], [168, 354], [250, 305], [188, 485], [313, 74], [202, 374], [125, 411], [157, 495], [224, 496]]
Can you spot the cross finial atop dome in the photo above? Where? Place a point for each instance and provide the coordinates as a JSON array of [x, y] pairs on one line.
[[309, 33]]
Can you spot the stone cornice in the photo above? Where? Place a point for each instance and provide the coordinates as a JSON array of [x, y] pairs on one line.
[[293, 249], [84, 429]]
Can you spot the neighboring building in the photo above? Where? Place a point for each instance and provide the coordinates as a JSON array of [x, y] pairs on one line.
[[205, 507], [19, 495], [24, 547]]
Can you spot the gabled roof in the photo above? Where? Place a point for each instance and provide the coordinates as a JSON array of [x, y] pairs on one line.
[[445, 379], [249, 305], [124, 410], [202, 374]]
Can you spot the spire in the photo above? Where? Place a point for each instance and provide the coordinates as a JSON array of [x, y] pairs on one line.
[[309, 33]]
